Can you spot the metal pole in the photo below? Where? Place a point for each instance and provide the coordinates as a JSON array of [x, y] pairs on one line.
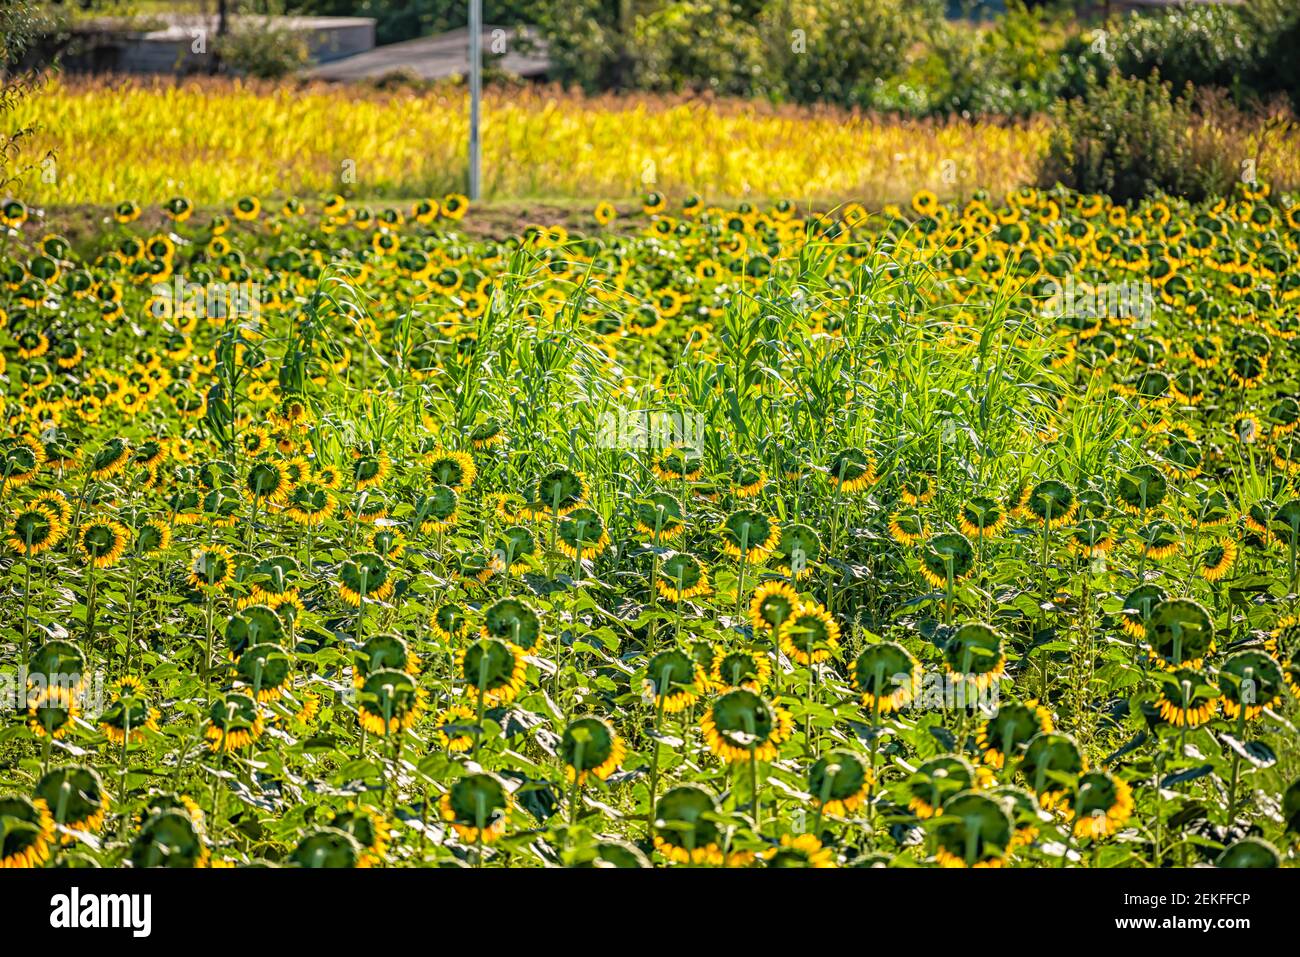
[[475, 96]]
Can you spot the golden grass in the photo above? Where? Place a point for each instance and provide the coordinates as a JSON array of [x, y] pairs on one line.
[[213, 140]]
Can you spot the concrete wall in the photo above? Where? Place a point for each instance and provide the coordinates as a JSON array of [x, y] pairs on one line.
[[171, 49]]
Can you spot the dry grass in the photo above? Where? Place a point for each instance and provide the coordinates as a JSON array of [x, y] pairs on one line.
[[213, 140]]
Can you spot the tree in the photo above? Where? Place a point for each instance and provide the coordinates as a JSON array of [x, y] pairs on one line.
[[21, 23]]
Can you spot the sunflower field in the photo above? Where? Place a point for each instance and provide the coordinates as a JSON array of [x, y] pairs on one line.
[[949, 535]]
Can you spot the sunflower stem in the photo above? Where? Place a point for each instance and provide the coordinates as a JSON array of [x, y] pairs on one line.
[[482, 694], [1236, 766], [654, 766], [27, 601], [207, 649]]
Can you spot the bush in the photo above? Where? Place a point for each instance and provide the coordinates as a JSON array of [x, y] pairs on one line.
[[1008, 68], [1126, 138], [21, 25], [1279, 68], [837, 50], [698, 46], [264, 52], [584, 45], [1131, 137], [832, 50], [1249, 50]]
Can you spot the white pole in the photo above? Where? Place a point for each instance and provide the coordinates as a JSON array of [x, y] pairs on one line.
[[475, 96]]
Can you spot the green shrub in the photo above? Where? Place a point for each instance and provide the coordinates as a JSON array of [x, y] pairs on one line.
[[22, 23], [264, 52], [1249, 49], [698, 46], [792, 50], [837, 50], [585, 45], [1125, 138], [1009, 68]]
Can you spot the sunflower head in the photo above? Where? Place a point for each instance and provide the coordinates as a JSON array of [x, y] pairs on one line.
[[267, 481], [492, 669], [368, 826], [35, 529], [253, 625], [685, 830], [660, 515], [75, 797], [449, 621], [558, 492], [740, 669], [1052, 503], [975, 653], [102, 542], [801, 850], [935, 781], [589, 746], [435, 510], [973, 830], [581, 534], [810, 634], [168, 838], [1050, 764], [740, 726], [748, 534], [455, 470], [328, 847], [234, 722], [797, 550], [1142, 489], [839, 782], [53, 712], [457, 728], [671, 678], [1008, 732], [1249, 852], [130, 713], [514, 621], [851, 470], [212, 568], [27, 831], [477, 807], [365, 576], [58, 664], [681, 577], [1250, 681], [390, 701], [947, 557], [982, 516], [1180, 632], [1284, 640], [513, 548], [1102, 803], [773, 604]]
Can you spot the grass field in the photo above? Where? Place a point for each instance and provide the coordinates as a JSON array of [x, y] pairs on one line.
[[214, 140], [950, 535], [99, 142]]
